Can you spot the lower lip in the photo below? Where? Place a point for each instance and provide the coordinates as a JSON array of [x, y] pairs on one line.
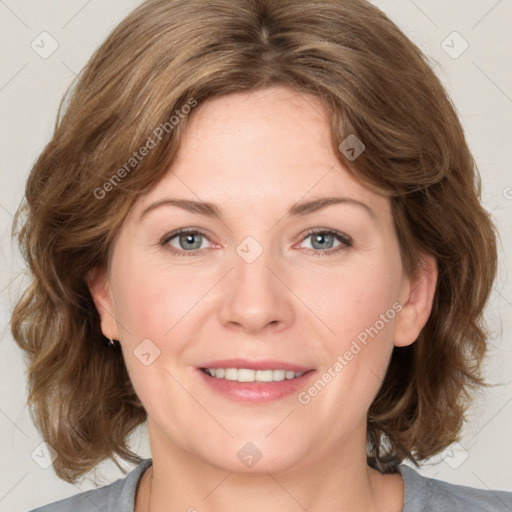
[[256, 392]]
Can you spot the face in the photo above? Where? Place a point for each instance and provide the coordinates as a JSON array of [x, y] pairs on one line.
[[250, 282]]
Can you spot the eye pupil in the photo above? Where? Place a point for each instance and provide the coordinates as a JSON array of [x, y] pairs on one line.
[[320, 238], [186, 238]]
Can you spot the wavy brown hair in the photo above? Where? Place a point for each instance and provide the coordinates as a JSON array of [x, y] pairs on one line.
[[374, 83]]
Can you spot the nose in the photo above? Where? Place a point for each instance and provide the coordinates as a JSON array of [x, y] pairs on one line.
[[255, 296]]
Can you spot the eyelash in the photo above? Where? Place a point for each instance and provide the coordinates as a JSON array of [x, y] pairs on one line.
[[345, 240]]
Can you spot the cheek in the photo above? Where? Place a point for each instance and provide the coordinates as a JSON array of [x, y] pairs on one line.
[[138, 305], [365, 308], [158, 303], [143, 294], [360, 306], [360, 312], [149, 307], [353, 298]]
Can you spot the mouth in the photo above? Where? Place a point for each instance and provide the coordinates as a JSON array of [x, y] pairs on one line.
[[250, 375], [254, 381]]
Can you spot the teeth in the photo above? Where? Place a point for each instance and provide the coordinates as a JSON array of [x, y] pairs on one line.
[[246, 375]]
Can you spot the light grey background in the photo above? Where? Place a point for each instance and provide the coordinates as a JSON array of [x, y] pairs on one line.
[[480, 84]]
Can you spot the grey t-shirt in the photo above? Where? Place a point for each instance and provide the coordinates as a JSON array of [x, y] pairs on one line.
[[421, 494]]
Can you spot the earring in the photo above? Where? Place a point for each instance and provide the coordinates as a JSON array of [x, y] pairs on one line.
[[111, 342]]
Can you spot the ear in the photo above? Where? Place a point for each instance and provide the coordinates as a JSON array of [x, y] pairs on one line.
[[97, 282], [417, 296]]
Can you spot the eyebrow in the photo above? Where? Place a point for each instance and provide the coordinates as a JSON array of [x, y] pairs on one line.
[[298, 209]]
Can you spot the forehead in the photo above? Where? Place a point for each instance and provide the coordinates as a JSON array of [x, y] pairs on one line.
[[270, 147]]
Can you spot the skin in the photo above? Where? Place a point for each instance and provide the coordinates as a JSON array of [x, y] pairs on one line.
[[254, 155]]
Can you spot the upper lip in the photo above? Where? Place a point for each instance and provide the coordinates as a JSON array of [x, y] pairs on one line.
[[267, 364]]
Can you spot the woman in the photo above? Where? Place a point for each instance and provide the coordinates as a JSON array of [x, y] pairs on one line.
[[325, 324]]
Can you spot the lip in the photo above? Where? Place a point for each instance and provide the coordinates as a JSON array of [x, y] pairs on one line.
[[256, 392], [267, 364]]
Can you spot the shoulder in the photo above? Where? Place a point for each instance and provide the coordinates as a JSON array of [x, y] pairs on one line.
[[119, 495], [423, 494]]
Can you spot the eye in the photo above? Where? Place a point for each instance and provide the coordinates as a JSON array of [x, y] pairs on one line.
[[323, 240], [187, 240]]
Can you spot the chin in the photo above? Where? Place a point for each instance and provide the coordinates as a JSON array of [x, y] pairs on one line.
[[275, 462], [261, 455]]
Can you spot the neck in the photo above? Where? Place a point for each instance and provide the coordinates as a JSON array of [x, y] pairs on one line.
[[340, 481]]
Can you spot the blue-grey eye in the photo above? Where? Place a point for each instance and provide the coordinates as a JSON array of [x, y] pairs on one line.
[[322, 240], [187, 240], [190, 241]]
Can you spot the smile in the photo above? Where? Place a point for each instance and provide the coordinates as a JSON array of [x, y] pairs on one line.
[[248, 375]]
